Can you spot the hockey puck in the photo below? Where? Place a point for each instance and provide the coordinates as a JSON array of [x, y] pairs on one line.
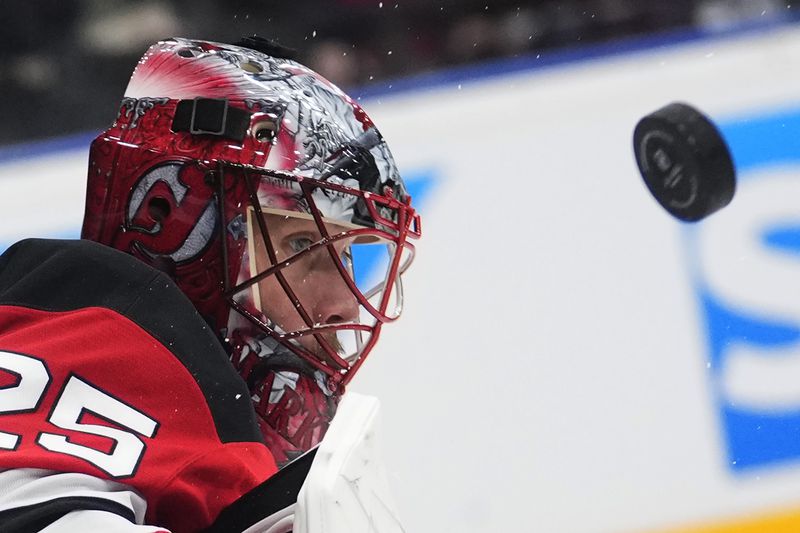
[[684, 161]]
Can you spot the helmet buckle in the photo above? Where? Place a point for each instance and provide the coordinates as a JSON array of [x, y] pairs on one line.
[[209, 116]]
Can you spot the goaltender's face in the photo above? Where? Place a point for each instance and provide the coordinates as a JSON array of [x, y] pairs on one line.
[[313, 277]]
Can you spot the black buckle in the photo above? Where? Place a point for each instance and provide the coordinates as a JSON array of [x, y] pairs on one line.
[[209, 116]]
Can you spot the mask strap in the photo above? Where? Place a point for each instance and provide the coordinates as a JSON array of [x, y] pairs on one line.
[[211, 116]]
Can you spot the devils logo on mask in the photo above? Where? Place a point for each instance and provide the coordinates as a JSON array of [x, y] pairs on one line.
[[170, 213]]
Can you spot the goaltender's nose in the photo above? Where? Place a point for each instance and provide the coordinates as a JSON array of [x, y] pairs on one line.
[[333, 300], [336, 305]]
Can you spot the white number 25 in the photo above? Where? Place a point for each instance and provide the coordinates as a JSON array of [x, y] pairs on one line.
[[77, 397]]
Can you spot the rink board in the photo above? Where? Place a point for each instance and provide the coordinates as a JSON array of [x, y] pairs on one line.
[[572, 359]]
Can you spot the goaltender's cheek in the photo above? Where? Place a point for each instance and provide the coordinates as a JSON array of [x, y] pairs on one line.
[[277, 307]]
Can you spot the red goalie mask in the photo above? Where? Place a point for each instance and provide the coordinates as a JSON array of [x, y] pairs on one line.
[[274, 203]]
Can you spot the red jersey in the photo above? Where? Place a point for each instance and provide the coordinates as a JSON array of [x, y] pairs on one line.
[[107, 370]]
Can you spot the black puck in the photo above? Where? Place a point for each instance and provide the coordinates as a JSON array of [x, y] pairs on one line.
[[684, 161]]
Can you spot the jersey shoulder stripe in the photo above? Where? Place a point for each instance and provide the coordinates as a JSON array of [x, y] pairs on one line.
[[37, 517]]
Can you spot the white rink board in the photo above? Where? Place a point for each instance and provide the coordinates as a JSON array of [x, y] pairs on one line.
[[551, 371]]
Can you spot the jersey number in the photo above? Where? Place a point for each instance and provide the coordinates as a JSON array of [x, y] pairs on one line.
[[76, 398]]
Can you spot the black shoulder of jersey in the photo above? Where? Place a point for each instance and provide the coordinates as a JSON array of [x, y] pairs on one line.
[[62, 275]]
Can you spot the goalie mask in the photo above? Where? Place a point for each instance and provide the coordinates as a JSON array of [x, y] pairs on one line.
[[274, 203]]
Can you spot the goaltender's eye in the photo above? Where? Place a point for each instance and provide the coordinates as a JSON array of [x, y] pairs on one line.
[[298, 244]]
